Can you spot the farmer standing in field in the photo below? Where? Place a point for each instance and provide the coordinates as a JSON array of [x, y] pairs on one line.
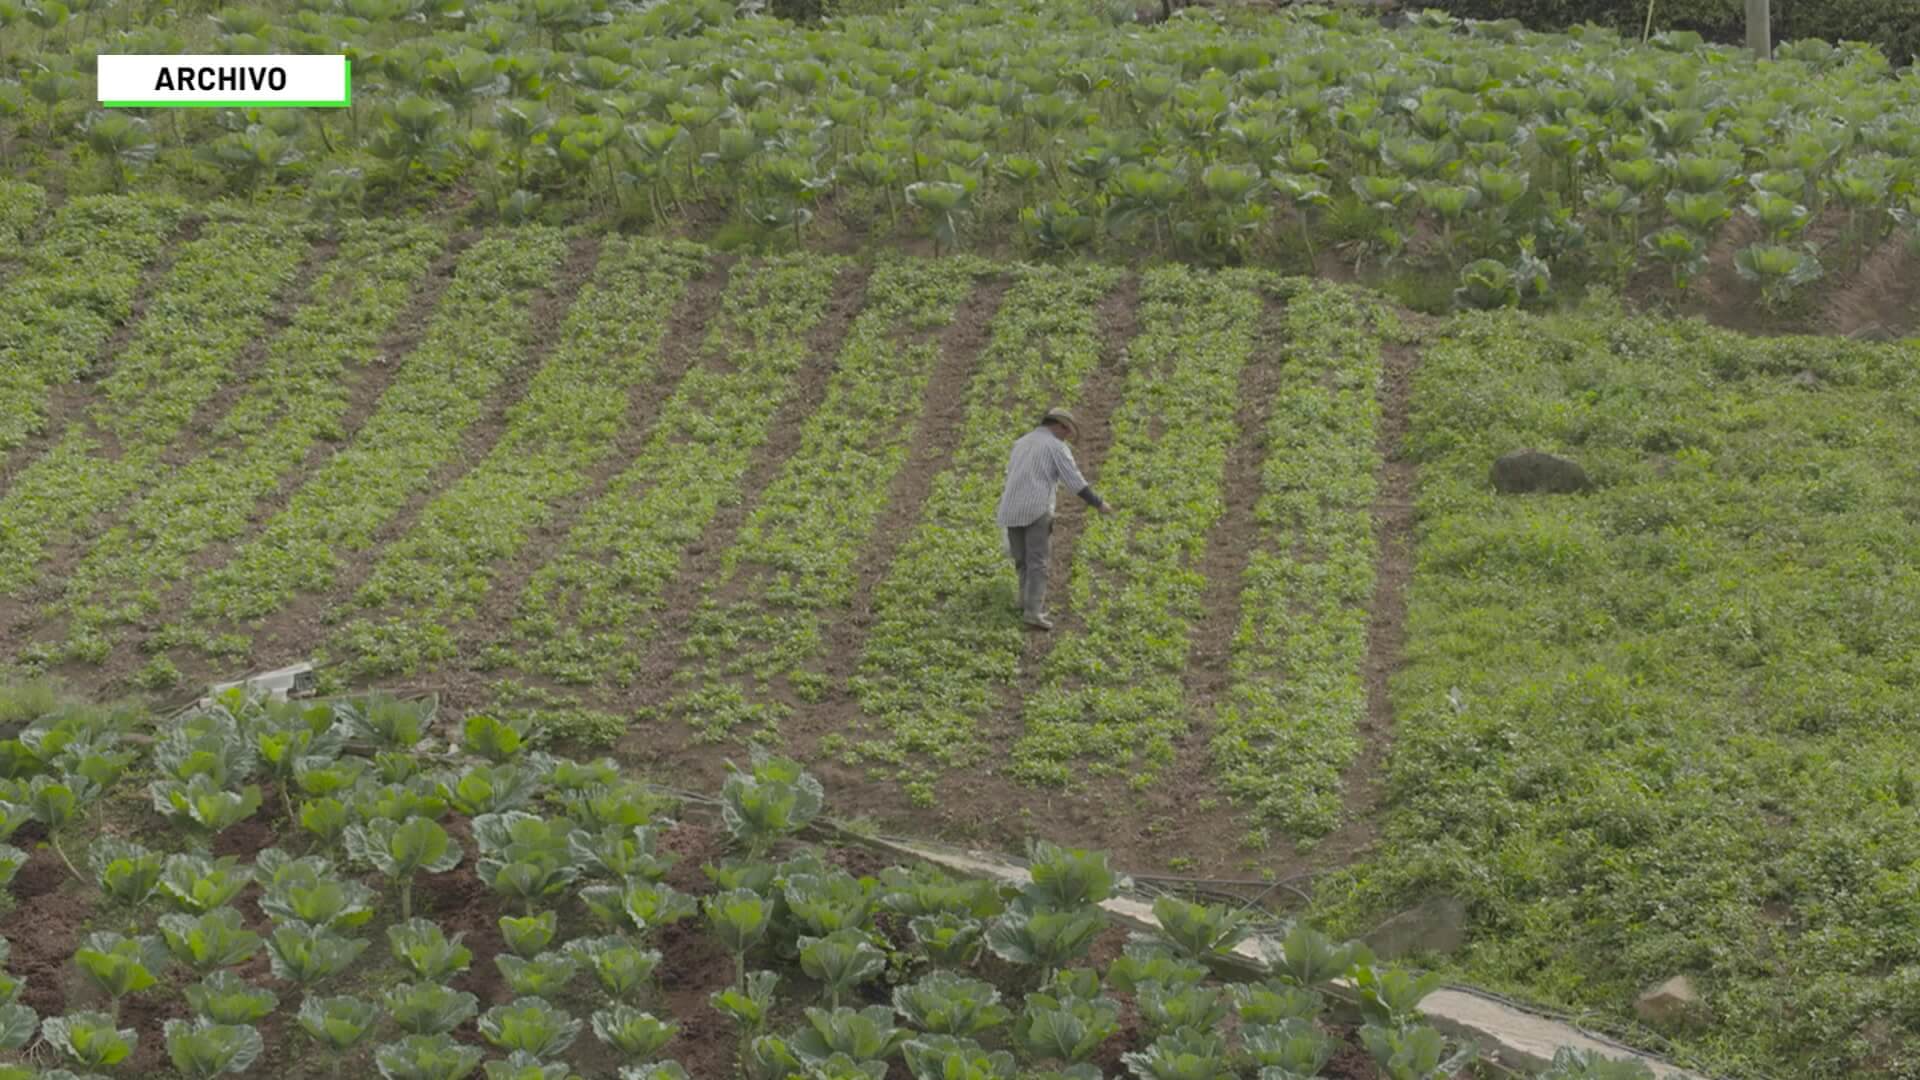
[[1040, 462]]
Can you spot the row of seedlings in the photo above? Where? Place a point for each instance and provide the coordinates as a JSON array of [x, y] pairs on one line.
[[479, 332], [942, 648], [1290, 723], [68, 293], [297, 403], [795, 561], [211, 308], [585, 613], [436, 574]]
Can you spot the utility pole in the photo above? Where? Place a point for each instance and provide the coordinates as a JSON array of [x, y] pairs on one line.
[[1759, 29]]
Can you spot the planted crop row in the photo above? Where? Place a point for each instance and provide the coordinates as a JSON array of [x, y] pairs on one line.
[[479, 332], [297, 400], [577, 404], [584, 613], [941, 647], [67, 296], [213, 305], [795, 559], [1111, 694], [1289, 725]]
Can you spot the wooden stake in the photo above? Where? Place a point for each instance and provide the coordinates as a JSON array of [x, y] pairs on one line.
[[1759, 29]]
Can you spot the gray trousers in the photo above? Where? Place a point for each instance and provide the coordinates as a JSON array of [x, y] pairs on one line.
[[1028, 545]]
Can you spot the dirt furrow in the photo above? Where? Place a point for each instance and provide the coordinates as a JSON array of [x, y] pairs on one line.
[[287, 634], [681, 348], [1364, 784]]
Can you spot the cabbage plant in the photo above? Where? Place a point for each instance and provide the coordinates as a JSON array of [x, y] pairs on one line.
[[943, 1057], [125, 871], [1412, 1053], [1293, 1048], [203, 943], [947, 1003], [197, 884], [841, 961], [542, 975], [635, 1034], [337, 1024], [427, 950], [89, 1039], [429, 1008], [202, 1051], [530, 1025], [772, 800], [401, 849], [308, 955], [118, 965], [426, 1057], [225, 998], [861, 1034], [1187, 1054], [622, 968]]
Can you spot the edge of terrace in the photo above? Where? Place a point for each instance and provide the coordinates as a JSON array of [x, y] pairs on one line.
[[1509, 1036]]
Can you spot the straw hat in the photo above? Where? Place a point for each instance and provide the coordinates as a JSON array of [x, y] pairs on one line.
[[1063, 417]]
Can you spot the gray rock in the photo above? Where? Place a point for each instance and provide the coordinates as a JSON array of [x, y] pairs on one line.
[[1807, 380], [1533, 471], [1672, 1003], [1437, 925]]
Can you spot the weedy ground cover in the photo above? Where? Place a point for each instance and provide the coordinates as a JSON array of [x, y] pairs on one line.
[[1290, 722], [942, 647], [334, 889], [21, 206], [297, 399], [1110, 699], [479, 333], [1663, 727], [212, 306], [436, 574], [585, 613], [794, 563], [66, 296]]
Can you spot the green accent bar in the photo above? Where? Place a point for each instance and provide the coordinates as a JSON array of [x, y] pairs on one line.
[[346, 99]]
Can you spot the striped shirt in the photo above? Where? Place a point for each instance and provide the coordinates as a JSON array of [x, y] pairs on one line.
[[1041, 461]]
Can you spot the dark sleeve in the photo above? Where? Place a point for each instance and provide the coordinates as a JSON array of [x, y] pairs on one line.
[[1092, 498]]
